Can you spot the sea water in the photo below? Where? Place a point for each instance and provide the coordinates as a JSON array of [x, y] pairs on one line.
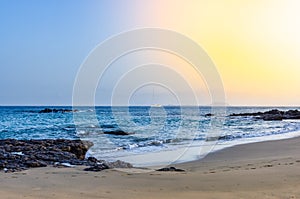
[[158, 135]]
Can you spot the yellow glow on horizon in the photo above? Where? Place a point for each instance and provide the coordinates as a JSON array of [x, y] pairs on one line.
[[254, 43]]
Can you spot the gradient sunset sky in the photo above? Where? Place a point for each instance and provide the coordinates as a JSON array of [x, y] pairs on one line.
[[255, 44]]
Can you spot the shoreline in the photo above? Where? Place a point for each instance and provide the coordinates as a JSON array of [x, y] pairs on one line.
[[269, 149], [267, 169], [191, 153]]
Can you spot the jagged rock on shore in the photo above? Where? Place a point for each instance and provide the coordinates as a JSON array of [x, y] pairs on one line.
[[97, 168], [102, 165], [17, 155], [171, 169]]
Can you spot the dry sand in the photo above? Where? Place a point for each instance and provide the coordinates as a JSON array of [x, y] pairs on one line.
[[259, 170]]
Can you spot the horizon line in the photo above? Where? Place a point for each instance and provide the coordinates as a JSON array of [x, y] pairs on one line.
[[137, 105]]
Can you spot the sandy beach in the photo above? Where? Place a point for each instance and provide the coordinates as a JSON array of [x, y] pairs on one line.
[[258, 170]]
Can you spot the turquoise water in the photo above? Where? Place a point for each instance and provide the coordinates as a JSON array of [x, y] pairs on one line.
[[155, 129]]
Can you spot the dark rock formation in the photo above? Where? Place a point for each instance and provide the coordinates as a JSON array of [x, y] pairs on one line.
[[246, 114], [97, 168], [119, 164], [272, 115], [292, 114], [117, 132], [108, 165], [171, 169], [17, 155], [48, 110]]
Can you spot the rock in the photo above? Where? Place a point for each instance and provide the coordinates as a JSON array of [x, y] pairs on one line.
[[246, 114], [117, 132], [102, 165], [97, 168], [48, 110], [119, 164], [272, 115], [92, 159], [171, 169], [80, 149], [35, 163], [292, 114], [17, 155], [273, 112]]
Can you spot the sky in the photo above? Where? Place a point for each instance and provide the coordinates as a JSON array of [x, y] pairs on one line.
[[254, 44]]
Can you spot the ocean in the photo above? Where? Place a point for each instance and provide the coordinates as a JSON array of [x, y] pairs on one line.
[[158, 135]]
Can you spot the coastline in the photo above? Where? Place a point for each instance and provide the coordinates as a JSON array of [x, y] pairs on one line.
[[155, 160], [246, 152], [267, 169]]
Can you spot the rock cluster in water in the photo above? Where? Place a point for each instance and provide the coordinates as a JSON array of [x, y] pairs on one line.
[[48, 110], [273, 115], [117, 132], [17, 155]]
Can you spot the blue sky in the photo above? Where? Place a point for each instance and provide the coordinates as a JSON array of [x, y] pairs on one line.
[[43, 44]]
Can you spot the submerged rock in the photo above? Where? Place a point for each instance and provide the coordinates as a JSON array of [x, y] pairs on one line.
[[117, 132]]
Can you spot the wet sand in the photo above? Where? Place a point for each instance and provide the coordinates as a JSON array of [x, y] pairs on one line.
[[258, 170]]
